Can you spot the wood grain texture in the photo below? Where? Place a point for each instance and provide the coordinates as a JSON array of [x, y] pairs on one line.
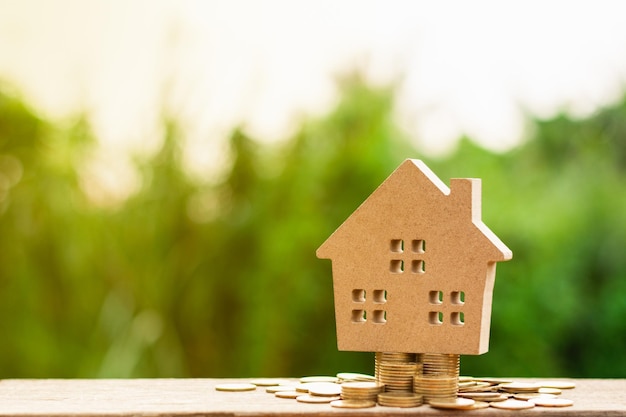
[[198, 397]]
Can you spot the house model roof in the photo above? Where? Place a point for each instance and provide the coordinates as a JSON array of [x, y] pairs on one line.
[[414, 267]]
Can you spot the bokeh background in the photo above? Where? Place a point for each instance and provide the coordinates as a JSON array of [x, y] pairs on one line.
[[168, 169]]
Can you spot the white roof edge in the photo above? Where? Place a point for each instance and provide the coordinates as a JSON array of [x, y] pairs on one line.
[[432, 177]]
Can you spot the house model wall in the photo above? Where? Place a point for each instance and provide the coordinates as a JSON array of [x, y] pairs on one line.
[[414, 267]]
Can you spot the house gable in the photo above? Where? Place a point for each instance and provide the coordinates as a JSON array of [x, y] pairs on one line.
[[414, 197]]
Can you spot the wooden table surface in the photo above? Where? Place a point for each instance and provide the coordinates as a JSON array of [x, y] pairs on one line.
[[198, 397]]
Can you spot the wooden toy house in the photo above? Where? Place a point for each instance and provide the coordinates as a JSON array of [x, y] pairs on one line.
[[414, 267]]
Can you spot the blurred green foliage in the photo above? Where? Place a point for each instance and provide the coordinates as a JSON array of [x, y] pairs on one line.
[[210, 279]]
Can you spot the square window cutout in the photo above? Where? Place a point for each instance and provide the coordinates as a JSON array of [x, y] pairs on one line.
[[418, 246], [418, 266], [435, 297], [358, 296], [397, 245], [435, 317], [380, 296], [379, 316], [457, 297], [359, 316], [457, 318], [396, 266]]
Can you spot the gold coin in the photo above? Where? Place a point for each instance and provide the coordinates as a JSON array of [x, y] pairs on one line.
[[353, 376], [480, 386], [235, 387], [399, 399], [325, 389], [268, 382], [353, 404], [406, 380], [512, 404], [395, 357], [436, 379], [369, 391], [362, 386], [397, 366], [407, 376], [494, 381], [277, 388], [479, 404], [390, 386], [529, 396], [398, 387], [400, 405], [455, 404], [398, 395], [558, 384], [520, 387], [552, 402], [359, 397], [544, 390], [314, 399], [481, 395], [352, 391], [304, 387], [502, 397], [306, 379], [288, 394]]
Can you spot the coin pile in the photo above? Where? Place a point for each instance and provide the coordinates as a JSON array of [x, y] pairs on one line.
[[317, 390], [439, 379], [347, 390], [397, 376], [514, 395], [432, 385], [396, 370], [436, 388], [359, 391]]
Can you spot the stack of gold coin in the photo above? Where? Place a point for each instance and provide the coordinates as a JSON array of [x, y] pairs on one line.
[[441, 364], [385, 357], [396, 370], [361, 390], [395, 356], [400, 399], [439, 378], [438, 388], [397, 376]]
